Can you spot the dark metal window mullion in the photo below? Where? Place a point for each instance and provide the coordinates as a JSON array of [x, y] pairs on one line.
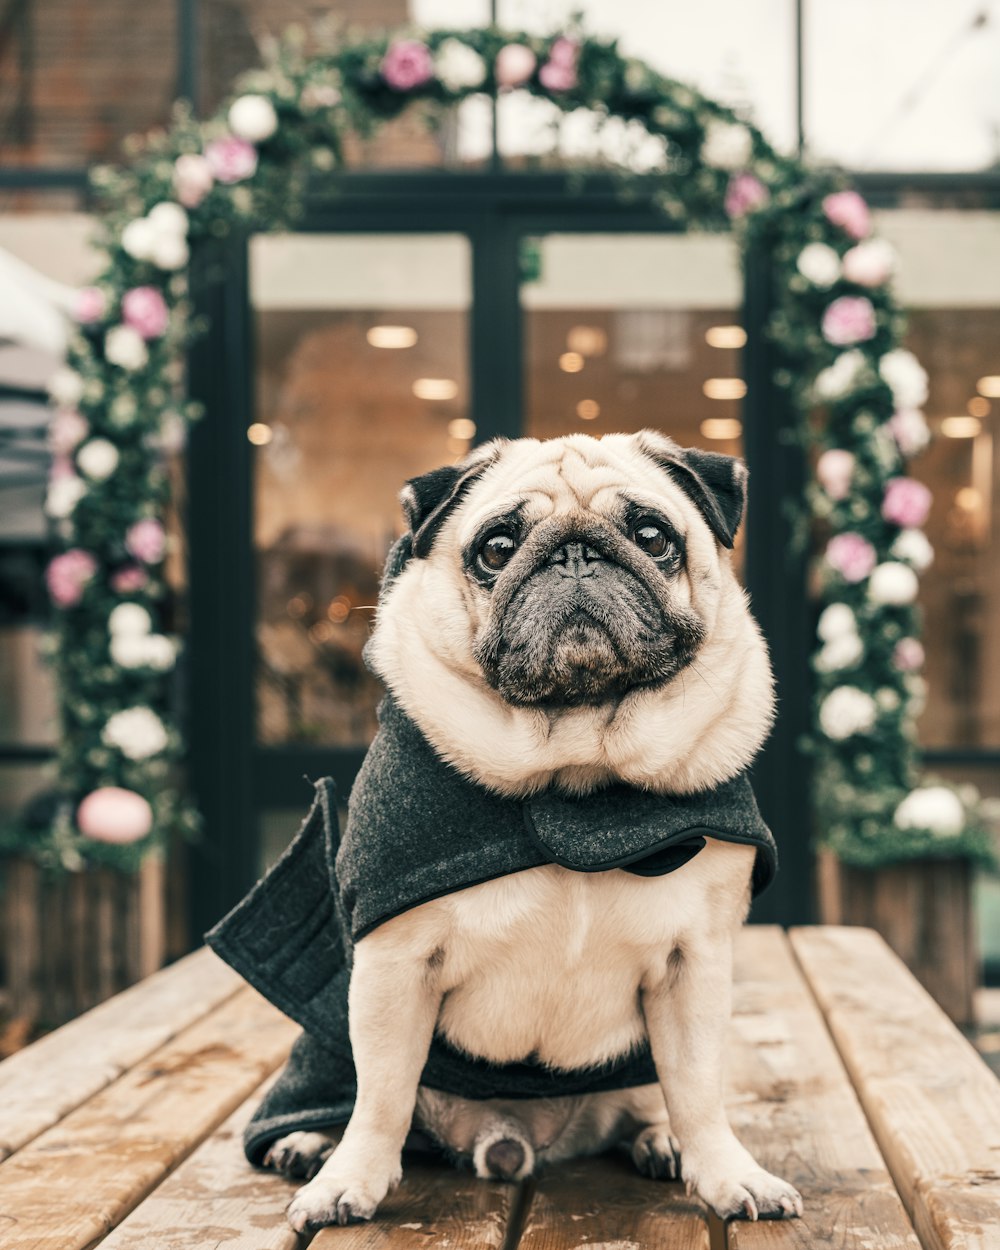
[[496, 364]]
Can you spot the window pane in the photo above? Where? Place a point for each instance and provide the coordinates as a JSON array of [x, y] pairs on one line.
[[902, 84], [950, 279], [362, 383], [740, 53], [619, 333]]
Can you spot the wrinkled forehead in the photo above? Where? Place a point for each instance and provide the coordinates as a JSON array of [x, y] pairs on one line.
[[570, 474]]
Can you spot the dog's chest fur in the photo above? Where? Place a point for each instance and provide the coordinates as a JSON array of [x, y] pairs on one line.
[[548, 963]]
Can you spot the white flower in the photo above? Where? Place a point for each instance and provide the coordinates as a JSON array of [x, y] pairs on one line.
[[143, 651], [838, 653], [727, 145], [126, 348], [870, 263], [66, 388], [63, 495], [913, 547], [819, 263], [839, 378], [98, 458], [252, 117], [168, 218], [835, 621], [846, 711], [170, 251], [910, 430], [892, 584], [129, 620], [458, 67], [137, 732], [887, 699], [935, 808], [905, 377], [138, 238]]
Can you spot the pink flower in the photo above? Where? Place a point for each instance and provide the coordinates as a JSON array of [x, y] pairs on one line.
[[848, 210], [870, 263], [908, 655], [146, 540], [514, 65], [910, 430], [112, 814], [906, 502], [835, 468], [852, 556], [407, 64], [193, 178], [850, 319], [89, 306], [145, 310], [745, 194], [559, 71], [67, 576], [129, 579], [67, 430], [231, 160]]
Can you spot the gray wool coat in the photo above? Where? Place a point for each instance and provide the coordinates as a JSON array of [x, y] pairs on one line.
[[418, 829]]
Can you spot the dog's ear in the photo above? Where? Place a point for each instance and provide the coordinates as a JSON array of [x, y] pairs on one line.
[[428, 500], [715, 484]]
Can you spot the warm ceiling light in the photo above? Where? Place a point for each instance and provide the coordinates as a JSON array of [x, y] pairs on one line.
[[961, 427], [989, 386], [392, 337], [968, 499], [725, 336], [721, 427], [462, 427], [587, 340], [435, 388], [339, 609], [259, 434], [588, 409], [724, 388], [978, 407], [571, 362]]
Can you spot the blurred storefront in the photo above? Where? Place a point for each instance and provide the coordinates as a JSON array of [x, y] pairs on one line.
[[459, 287]]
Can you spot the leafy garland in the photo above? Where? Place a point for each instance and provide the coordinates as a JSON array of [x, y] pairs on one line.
[[121, 411]]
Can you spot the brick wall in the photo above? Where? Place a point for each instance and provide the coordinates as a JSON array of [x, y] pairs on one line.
[[103, 69]]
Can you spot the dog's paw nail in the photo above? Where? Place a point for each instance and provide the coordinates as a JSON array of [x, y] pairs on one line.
[[749, 1208]]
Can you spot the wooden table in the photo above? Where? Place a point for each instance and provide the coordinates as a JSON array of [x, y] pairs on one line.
[[123, 1128]]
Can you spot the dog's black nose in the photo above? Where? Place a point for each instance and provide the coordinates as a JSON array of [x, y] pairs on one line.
[[576, 560]]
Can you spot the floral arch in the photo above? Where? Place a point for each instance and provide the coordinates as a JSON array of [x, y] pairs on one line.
[[120, 410]]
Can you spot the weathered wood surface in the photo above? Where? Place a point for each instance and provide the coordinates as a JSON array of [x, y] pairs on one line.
[[933, 1104], [791, 1104], [606, 1203], [75, 1182], [924, 911], [42, 1084], [214, 1201], [71, 943], [434, 1208]]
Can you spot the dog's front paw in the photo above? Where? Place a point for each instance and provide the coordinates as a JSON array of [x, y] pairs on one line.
[[656, 1154], [754, 1195], [340, 1194], [299, 1156]]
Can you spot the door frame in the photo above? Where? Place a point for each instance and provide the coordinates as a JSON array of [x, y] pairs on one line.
[[232, 777]]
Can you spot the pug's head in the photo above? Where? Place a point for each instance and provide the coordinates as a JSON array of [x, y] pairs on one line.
[[565, 580]]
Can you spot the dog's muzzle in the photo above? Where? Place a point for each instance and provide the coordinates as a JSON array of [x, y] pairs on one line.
[[581, 621]]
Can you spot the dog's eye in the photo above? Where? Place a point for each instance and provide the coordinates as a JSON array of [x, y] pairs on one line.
[[651, 538], [496, 551]]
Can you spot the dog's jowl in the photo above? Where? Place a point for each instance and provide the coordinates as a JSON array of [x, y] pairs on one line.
[[519, 949]]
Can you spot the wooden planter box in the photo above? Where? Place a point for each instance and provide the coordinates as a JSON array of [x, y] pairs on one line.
[[923, 909], [68, 943]]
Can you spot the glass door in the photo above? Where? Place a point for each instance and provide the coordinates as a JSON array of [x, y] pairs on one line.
[[361, 358]]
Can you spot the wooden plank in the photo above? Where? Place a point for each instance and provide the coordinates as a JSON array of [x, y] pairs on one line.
[[77, 1181], [933, 1104], [791, 1104], [434, 1206], [605, 1203], [41, 1084], [214, 1201]]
